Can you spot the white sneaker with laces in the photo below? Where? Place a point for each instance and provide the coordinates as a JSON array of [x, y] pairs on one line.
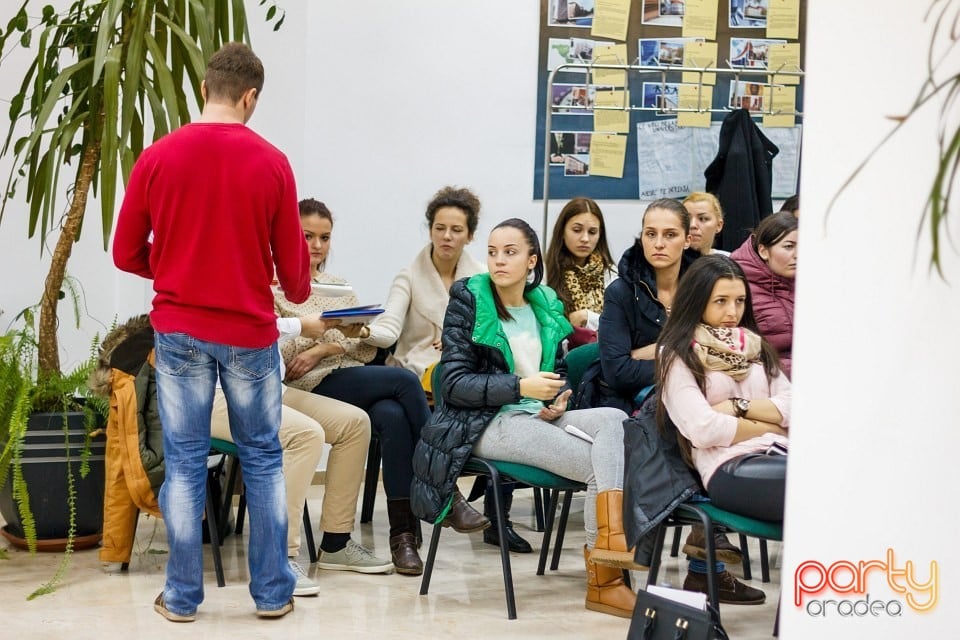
[[305, 586], [354, 557]]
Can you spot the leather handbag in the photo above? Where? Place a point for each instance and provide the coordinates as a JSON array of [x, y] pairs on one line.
[[659, 618]]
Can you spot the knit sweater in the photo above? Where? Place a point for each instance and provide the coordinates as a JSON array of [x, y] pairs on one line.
[[413, 313], [711, 433], [221, 205]]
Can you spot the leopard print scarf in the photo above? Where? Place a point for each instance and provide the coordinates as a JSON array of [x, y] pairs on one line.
[[728, 349], [585, 284]]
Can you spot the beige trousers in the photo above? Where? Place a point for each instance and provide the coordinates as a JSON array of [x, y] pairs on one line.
[[344, 427]]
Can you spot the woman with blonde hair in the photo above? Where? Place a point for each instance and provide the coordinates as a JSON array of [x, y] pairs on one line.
[[706, 221]]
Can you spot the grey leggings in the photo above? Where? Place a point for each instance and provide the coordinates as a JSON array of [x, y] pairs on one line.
[[522, 437]]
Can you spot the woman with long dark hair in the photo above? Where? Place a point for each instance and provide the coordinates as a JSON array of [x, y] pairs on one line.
[[504, 397], [579, 266], [720, 383]]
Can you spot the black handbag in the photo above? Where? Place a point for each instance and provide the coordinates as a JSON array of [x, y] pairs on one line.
[[659, 618]]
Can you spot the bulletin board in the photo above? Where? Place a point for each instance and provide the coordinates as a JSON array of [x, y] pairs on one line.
[[653, 38]]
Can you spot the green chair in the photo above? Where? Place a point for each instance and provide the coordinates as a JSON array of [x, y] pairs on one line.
[[713, 519], [578, 359], [499, 471]]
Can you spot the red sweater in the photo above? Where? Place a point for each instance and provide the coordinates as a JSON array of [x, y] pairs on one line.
[[221, 205]]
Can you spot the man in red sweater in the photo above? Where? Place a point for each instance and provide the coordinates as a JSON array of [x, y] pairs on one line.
[[209, 213]]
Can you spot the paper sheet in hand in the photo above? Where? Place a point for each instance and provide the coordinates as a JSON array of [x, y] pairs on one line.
[[354, 315], [331, 289]]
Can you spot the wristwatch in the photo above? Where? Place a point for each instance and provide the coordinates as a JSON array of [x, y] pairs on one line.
[[740, 406]]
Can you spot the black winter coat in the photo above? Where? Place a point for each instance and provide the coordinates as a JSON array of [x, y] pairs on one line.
[[741, 176], [475, 382], [656, 479], [632, 317]]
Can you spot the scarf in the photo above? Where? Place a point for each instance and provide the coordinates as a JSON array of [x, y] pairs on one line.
[[728, 349], [585, 284]]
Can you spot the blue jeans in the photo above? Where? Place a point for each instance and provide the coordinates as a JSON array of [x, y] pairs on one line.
[[187, 371]]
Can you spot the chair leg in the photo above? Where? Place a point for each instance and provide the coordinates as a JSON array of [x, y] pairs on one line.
[[241, 513], [431, 556], [308, 533], [675, 546], [655, 554], [538, 508], [561, 530], [212, 530], [504, 551], [553, 498], [371, 479], [764, 561], [223, 517], [745, 552]]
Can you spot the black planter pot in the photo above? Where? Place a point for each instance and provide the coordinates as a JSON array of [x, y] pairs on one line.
[[44, 462]]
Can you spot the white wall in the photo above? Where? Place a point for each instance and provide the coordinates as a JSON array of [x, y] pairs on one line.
[[876, 404]]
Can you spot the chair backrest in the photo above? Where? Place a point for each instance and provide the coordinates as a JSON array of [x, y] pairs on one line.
[[578, 360], [435, 386]]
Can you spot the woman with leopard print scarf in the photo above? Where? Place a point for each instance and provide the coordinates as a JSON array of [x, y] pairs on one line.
[[722, 386], [579, 266]]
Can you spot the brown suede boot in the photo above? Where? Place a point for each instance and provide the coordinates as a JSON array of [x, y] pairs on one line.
[[403, 539], [606, 591], [724, 550], [464, 518], [611, 547]]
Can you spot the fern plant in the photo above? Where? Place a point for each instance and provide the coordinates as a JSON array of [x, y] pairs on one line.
[[22, 393]]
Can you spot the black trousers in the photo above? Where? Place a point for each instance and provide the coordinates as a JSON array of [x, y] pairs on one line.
[[397, 406], [752, 485]]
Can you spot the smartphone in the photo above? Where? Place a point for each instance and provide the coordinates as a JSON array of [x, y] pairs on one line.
[[777, 449]]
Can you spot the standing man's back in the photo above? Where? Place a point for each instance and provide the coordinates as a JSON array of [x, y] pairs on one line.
[[210, 211]]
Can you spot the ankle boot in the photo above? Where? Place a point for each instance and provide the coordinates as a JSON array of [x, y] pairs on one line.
[[725, 551], [611, 547], [464, 518], [606, 591], [491, 535], [403, 541]]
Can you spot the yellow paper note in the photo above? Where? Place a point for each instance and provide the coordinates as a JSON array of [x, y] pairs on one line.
[[689, 97], [610, 54], [610, 18], [782, 99], [785, 57], [700, 19], [607, 153], [783, 19], [700, 54], [615, 119]]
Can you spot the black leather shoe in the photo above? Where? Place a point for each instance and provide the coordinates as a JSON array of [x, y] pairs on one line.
[[515, 543]]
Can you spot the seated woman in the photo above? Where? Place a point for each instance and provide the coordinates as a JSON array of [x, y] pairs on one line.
[[504, 397], [332, 366], [637, 304], [706, 221], [413, 314], [721, 385], [579, 266], [769, 259]]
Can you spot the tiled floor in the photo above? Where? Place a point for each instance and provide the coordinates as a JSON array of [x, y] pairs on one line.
[[465, 601]]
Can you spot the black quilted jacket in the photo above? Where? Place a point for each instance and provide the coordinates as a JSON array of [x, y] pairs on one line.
[[475, 381]]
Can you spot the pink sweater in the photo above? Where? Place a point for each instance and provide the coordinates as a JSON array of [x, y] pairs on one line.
[[710, 432]]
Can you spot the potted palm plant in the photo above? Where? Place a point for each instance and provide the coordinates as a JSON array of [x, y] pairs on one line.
[[105, 78]]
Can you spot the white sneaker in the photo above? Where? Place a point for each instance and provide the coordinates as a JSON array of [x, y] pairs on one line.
[[354, 557], [305, 586]]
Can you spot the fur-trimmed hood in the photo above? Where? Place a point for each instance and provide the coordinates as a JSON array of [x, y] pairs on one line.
[[126, 348]]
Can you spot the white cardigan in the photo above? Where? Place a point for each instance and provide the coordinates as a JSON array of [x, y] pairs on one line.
[[414, 311]]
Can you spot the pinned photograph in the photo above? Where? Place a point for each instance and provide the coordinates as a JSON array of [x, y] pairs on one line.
[[567, 13], [582, 142], [562, 143], [573, 98], [577, 165], [663, 52], [748, 14], [747, 95], [664, 13], [752, 53], [571, 51], [663, 97]]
